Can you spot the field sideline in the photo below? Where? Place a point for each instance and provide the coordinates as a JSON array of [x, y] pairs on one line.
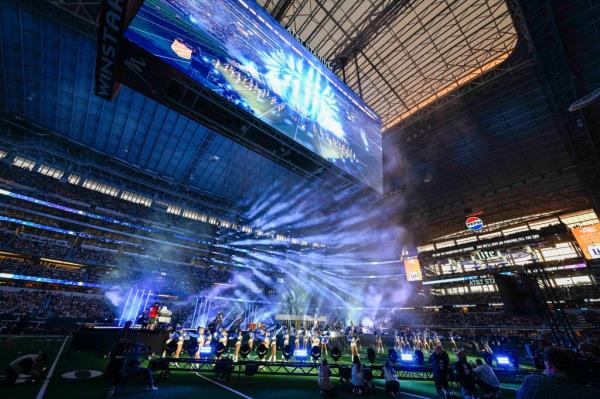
[[179, 385]]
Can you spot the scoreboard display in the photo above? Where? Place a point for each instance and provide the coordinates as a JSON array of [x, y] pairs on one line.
[[238, 51]]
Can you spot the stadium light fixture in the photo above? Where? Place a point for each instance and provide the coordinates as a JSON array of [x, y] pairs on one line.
[[261, 351], [287, 352], [315, 353], [336, 353], [245, 351]]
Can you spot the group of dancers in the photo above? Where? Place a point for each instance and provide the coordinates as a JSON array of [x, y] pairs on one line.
[[273, 338], [288, 340], [420, 340]]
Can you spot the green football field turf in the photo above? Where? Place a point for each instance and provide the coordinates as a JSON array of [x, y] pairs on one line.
[[180, 385]]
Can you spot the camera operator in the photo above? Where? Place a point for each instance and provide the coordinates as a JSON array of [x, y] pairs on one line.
[[31, 365], [556, 383], [130, 368], [440, 364], [486, 379]]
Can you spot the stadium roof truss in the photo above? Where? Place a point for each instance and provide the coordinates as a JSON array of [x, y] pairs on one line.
[[400, 55]]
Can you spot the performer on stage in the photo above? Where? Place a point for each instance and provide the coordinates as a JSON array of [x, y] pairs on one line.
[[426, 341], [353, 339], [209, 338], [175, 336], [238, 345], [406, 343], [251, 339], [378, 341], [201, 340], [266, 342], [153, 316], [273, 357], [297, 339], [436, 341], [306, 343], [286, 340], [223, 337], [316, 339], [452, 341], [315, 321], [325, 342]]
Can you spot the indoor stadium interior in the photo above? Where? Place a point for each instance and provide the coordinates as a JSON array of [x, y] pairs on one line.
[[297, 199]]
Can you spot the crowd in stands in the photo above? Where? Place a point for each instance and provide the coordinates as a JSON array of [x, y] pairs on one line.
[[49, 186], [79, 307], [28, 303], [23, 304]]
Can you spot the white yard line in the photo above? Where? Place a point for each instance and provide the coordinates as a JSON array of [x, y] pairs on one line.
[[42, 391], [224, 387]]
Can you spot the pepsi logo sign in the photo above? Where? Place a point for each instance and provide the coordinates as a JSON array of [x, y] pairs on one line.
[[474, 223]]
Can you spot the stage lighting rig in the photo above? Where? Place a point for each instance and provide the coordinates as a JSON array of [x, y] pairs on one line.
[[171, 348], [336, 353], [245, 351], [315, 353], [220, 349], [287, 352], [192, 347], [261, 351]]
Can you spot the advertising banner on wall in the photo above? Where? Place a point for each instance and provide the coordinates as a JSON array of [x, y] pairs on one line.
[[588, 238], [413, 269]]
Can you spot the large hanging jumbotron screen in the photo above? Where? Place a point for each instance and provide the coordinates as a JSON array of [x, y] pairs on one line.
[[239, 51]]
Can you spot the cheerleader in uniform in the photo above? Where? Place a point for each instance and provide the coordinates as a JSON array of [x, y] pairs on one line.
[[452, 341], [251, 340], [273, 357], [426, 341], [178, 337], [201, 340], [297, 339], [224, 337], [266, 342], [209, 339], [316, 340], [238, 345], [286, 341], [378, 341], [307, 337], [436, 341], [324, 342], [353, 344]]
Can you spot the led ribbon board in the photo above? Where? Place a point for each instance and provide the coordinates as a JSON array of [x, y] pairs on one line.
[[237, 51]]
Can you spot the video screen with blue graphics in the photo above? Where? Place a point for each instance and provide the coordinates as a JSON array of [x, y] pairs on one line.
[[237, 50]]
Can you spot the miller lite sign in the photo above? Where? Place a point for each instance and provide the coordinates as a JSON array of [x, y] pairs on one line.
[[474, 223]]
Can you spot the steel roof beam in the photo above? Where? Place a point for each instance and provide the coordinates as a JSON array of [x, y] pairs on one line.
[[360, 41]]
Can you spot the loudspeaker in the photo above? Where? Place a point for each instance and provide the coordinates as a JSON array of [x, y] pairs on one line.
[[519, 294]]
